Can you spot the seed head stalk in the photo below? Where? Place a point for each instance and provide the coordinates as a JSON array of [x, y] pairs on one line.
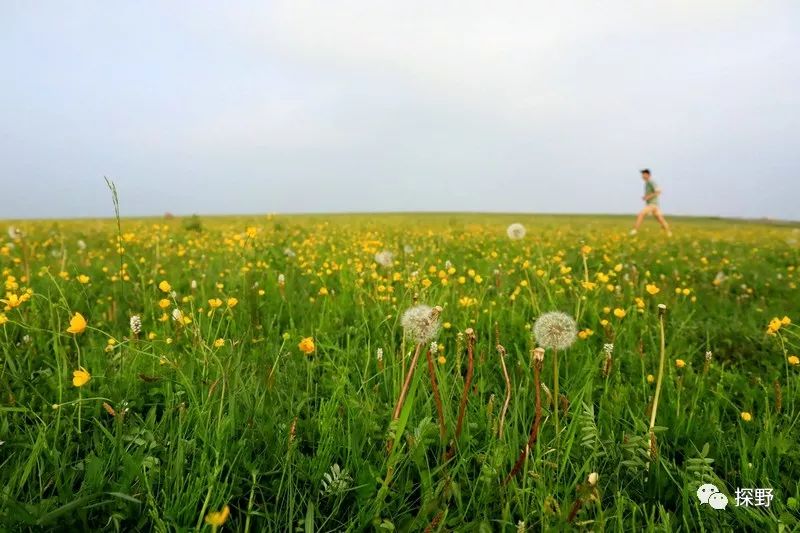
[[502, 351], [556, 399], [661, 311]]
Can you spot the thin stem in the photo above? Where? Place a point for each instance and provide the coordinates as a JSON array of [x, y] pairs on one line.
[[660, 374], [407, 383], [534, 435], [502, 352], [436, 398], [556, 399], [467, 381]]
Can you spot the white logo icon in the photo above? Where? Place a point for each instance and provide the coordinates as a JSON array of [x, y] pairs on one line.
[[711, 495]]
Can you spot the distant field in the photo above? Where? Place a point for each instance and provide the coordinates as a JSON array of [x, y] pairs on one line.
[[253, 373]]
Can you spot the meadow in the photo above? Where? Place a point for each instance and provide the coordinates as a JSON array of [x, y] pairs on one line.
[[262, 373]]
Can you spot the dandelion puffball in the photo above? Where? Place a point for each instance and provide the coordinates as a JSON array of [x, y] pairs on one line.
[[515, 231], [384, 258], [421, 323], [555, 330]]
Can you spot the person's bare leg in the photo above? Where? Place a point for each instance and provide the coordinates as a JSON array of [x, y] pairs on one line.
[[660, 217], [639, 219]]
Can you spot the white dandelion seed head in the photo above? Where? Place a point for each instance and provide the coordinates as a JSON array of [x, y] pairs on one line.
[[81, 244], [15, 233], [447, 265], [288, 252], [384, 258], [515, 231], [408, 249], [136, 324], [421, 323], [555, 330]]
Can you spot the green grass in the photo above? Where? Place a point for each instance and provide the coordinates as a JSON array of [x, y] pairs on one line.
[[297, 443]]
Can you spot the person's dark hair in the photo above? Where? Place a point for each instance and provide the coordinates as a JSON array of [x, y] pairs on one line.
[[645, 171]]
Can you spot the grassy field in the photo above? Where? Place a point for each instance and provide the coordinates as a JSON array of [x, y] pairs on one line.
[[244, 374]]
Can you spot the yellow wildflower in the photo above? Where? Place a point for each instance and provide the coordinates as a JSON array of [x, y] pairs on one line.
[[77, 324], [680, 363], [307, 345], [619, 313], [747, 417], [652, 289], [80, 377], [165, 286], [217, 518]]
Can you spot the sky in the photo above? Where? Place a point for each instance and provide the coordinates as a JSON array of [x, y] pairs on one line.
[[337, 106]]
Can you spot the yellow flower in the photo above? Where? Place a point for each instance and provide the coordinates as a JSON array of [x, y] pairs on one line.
[[217, 518], [650, 378], [747, 417], [466, 301], [774, 325], [219, 343], [652, 289], [165, 286], [83, 279], [12, 300], [680, 363], [3, 319], [77, 324], [442, 359], [80, 377], [164, 303], [792, 359], [589, 285], [307, 345], [785, 321], [232, 302], [323, 291], [585, 333], [214, 303], [586, 249], [619, 313]]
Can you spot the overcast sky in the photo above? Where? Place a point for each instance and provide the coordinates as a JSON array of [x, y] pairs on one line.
[[236, 107]]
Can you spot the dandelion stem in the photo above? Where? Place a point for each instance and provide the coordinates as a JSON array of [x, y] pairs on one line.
[[436, 398], [556, 399], [660, 372], [502, 352], [406, 384], [534, 435], [467, 381]]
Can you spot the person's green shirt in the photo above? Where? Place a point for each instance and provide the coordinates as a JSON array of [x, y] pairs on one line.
[[650, 188]]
